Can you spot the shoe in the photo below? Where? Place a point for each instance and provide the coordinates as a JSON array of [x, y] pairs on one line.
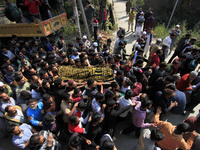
[[145, 55], [184, 113], [128, 31]]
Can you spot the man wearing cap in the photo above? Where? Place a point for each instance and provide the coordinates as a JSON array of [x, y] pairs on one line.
[[95, 46], [139, 24], [154, 47], [177, 33], [174, 134], [121, 31], [168, 41], [85, 41]]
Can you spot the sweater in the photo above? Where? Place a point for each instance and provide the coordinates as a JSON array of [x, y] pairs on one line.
[[183, 84], [33, 6], [171, 141], [139, 116]]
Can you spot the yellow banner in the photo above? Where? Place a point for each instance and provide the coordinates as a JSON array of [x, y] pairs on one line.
[[79, 74]]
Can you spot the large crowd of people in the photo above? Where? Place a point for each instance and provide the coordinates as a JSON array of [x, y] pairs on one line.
[[38, 110]]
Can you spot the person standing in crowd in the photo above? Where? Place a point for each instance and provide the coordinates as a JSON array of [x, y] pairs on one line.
[[132, 15], [96, 27], [168, 41], [177, 33], [137, 16], [12, 12], [33, 7], [149, 22], [128, 7], [89, 12], [146, 16], [180, 46], [104, 18], [140, 22]]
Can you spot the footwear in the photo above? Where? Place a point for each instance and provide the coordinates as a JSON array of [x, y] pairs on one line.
[[128, 31]]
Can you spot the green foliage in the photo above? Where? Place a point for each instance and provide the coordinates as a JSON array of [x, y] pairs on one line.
[[69, 9], [160, 31], [138, 3], [70, 29]]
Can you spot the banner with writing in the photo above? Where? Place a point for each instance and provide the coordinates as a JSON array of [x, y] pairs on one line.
[[79, 74]]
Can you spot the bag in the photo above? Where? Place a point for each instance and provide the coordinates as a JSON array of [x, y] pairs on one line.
[[12, 12]]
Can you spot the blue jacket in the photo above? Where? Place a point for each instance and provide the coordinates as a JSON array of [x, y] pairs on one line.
[[36, 114]]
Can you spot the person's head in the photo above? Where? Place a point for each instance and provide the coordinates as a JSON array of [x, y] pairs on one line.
[[36, 140], [82, 106], [14, 130], [177, 27], [168, 80], [109, 94], [35, 87], [76, 141], [43, 74], [4, 97], [156, 135], [159, 52], [58, 83], [126, 83], [49, 118], [47, 99], [146, 104], [77, 92], [176, 64], [110, 103], [192, 76], [2, 86], [163, 65], [129, 94], [96, 119], [176, 78], [115, 86], [24, 94], [74, 120], [192, 41], [172, 35], [91, 84], [109, 41], [33, 103], [164, 47], [108, 145], [187, 36], [120, 74], [9, 68], [139, 62], [158, 41], [168, 93], [99, 97], [11, 110], [182, 128]]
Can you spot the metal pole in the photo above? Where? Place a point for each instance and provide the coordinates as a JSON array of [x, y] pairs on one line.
[[171, 15], [76, 16], [85, 20]]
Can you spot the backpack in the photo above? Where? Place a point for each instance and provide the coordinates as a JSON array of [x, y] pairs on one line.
[[12, 12]]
